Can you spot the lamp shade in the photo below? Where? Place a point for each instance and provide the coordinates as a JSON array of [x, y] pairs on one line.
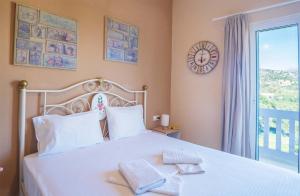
[[164, 121]]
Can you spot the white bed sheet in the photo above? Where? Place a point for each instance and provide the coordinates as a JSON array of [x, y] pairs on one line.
[[83, 172]]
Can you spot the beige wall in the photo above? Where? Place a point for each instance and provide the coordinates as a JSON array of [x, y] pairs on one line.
[[196, 99], [153, 17]]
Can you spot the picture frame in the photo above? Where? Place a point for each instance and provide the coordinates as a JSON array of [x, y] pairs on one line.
[[38, 31], [58, 61], [61, 35], [27, 14], [53, 47], [121, 41], [44, 40]]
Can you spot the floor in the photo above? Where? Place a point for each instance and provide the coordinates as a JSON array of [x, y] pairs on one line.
[[279, 161]]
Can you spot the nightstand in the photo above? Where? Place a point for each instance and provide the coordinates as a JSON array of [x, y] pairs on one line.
[[175, 133]]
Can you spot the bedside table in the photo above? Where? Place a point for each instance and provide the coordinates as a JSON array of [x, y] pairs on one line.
[[175, 133]]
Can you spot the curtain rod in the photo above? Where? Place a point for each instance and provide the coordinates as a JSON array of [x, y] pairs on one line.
[[257, 10]]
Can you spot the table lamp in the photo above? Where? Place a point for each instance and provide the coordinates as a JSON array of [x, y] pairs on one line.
[[165, 119]]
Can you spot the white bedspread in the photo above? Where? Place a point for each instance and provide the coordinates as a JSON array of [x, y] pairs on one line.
[[83, 172]]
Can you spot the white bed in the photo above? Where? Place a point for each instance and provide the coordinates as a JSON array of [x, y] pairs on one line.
[[84, 171]]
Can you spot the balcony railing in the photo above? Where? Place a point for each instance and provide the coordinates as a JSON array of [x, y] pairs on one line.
[[277, 144]]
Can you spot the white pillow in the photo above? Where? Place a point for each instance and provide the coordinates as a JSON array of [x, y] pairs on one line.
[[125, 121], [57, 133]]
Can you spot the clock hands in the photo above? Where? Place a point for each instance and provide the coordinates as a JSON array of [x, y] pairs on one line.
[[202, 58]]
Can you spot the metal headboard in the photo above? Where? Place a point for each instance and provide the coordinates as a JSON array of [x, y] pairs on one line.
[[76, 104]]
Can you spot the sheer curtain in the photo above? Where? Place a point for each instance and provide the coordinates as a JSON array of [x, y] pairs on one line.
[[236, 87]]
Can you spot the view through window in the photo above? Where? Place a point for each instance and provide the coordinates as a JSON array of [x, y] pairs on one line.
[[278, 127]]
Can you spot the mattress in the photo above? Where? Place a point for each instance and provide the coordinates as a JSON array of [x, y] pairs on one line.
[[84, 171]]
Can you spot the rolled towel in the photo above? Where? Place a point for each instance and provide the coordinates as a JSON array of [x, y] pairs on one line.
[[189, 169], [180, 157], [141, 175], [172, 187]]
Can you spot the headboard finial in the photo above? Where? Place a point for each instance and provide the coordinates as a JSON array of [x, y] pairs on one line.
[[145, 87], [100, 80], [23, 84]]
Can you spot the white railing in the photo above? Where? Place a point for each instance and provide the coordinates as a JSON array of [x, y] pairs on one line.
[[278, 154]]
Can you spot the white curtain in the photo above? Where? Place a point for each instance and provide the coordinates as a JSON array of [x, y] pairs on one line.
[[236, 87]]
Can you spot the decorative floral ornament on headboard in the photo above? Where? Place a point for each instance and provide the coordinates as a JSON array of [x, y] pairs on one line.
[[98, 103]]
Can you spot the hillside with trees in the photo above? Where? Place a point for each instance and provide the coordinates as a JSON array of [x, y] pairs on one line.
[[278, 90]]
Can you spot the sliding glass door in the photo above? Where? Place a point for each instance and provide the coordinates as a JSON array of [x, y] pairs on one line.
[[275, 77]]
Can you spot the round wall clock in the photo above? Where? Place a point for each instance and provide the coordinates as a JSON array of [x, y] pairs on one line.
[[203, 57]]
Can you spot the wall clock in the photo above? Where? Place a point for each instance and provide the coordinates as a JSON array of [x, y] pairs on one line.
[[203, 57]]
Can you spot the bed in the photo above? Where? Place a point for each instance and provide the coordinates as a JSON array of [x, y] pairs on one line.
[[84, 171]]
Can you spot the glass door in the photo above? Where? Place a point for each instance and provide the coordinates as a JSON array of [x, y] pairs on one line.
[[276, 61]]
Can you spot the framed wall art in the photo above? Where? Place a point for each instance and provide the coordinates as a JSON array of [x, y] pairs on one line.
[[121, 41], [44, 40]]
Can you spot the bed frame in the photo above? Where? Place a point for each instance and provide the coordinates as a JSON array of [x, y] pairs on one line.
[[76, 104]]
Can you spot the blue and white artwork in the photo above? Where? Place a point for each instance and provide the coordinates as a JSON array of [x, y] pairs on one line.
[[134, 32], [38, 31], [61, 35], [36, 46], [131, 55], [118, 26], [57, 21], [121, 41], [35, 57], [61, 62], [115, 54], [114, 35], [25, 47], [21, 56], [29, 45], [133, 43], [27, 14], [22, 44], [24, 30], [61, 48], [111, 43], [45, 40]]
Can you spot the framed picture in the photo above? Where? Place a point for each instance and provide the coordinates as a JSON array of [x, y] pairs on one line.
[[57, 22], [27, 14], [35, 57], [115, 54], [24, 30], [121, 41], [54, 47], [61, 48], [38, 31], [61, 35], [21, 56], [44, 40], [57, 61]]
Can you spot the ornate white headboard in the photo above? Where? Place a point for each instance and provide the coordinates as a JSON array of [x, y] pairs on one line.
[[117, 95]]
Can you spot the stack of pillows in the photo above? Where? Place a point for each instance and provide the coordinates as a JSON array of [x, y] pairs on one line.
[[57, 134]]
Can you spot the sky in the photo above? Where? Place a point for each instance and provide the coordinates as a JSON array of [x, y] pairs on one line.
[[278, 48]]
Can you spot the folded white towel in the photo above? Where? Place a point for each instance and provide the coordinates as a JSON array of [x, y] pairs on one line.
[[172, 186], [180, 157], [141, 175], [190, 169]]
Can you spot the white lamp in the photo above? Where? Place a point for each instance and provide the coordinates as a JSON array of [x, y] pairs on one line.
[[164, 120]]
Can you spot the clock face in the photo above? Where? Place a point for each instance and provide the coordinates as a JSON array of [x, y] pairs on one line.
[[203, 57]]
